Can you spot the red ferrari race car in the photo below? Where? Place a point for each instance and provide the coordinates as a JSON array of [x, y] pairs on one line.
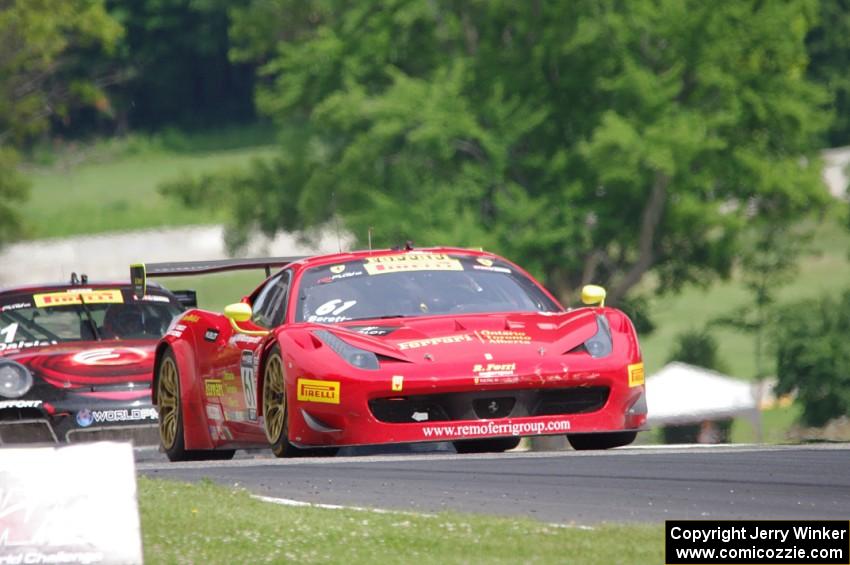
[[394, 346], [76, 361]]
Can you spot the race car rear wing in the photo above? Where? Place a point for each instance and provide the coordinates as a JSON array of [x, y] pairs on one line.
[[140, 272]]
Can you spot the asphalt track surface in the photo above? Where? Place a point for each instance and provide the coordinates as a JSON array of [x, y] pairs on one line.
[[623, 485]]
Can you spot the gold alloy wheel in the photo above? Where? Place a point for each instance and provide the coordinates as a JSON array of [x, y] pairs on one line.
[[274, 399], [168, 402]]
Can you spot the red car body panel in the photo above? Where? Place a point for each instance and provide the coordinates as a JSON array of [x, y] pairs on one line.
[[426, 362]]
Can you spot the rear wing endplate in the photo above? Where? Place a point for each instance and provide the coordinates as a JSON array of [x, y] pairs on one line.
[[140, 272]]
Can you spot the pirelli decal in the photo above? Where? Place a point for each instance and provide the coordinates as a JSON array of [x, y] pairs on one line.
[[325, 392], [636, 374], [49, 299], [411, 262]]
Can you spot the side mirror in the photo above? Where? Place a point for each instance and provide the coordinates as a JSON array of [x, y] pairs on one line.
[[238, 312], [592, 294]]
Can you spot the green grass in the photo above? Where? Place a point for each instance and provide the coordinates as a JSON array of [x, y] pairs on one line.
[[218, 290], [775, 423], [112, 185], [825, 271], [206, 523]]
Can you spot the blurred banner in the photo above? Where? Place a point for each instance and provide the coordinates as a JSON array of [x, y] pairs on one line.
[[74, 504]]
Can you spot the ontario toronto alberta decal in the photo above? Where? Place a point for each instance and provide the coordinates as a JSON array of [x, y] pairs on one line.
[[325, 392]]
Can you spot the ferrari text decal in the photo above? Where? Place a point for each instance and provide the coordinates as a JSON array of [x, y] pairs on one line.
[[503, 337], [326, 392], [636, 374], [78, 297], [190, 318], [415, 344], [492, 428], [246, 369], [411, 262], [213, 387]]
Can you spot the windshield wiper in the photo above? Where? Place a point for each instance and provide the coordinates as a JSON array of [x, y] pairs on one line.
[[92, 324]]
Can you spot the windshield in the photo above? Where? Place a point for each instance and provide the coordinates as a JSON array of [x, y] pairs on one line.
[[415, 284], [31, 320]]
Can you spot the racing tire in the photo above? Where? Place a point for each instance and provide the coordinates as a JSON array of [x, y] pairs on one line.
[[586, 442], [276, 412], [496, 445], [169, 408]]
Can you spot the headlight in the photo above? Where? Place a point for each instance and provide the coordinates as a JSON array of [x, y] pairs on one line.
[[15, 379], [600, 344], [355, 356]]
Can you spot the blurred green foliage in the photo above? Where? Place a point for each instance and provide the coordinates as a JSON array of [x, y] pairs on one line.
[[596, 141], [813, 359], [42, 42], [697, 347], [828, 45]]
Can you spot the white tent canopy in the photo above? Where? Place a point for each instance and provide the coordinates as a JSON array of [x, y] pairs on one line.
[[681, 394]]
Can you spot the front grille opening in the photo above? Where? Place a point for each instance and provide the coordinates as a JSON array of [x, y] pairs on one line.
[[493, 407], [406, 409], [14, 414], [575, 400], [486, 405]]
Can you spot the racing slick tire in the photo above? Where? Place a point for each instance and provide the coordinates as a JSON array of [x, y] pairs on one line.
[[495, 445], [276, 412], [169, 408], [585, 442]]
